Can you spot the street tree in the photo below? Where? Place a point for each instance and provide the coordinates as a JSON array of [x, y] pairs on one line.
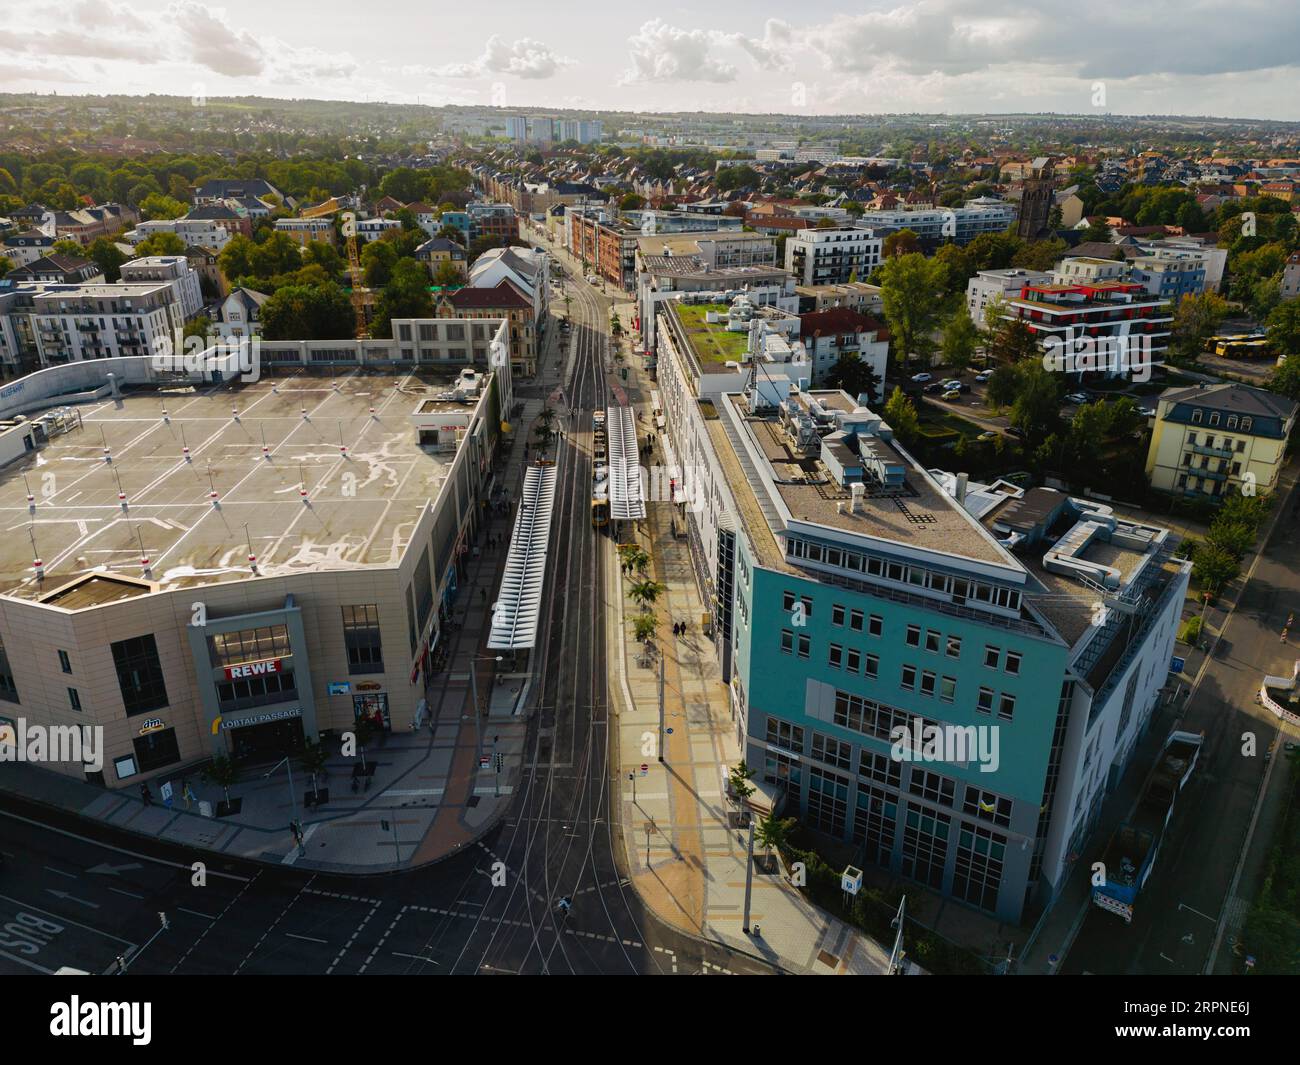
[[912, 289]]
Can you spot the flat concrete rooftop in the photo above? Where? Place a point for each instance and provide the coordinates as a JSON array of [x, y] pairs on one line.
[[921, 515], [362, 509]]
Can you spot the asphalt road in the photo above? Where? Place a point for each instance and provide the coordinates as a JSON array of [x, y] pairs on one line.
[[75, 893], [1177, 912]]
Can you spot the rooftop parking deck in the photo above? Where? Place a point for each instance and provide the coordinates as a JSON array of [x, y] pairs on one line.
[[359, 508]]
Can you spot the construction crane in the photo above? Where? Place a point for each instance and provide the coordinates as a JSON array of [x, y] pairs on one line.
[[362, 298]]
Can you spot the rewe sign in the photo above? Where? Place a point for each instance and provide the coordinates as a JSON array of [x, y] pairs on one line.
[[253, 669]]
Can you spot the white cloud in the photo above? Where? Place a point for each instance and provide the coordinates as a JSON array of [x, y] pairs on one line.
[[213, 43], [525, 58], [668, 53]]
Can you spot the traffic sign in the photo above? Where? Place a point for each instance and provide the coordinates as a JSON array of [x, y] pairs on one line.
[[644, 769], [484, 761]]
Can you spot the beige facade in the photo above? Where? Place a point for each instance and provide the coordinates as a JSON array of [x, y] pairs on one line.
[[1219, 440], [353, 490]]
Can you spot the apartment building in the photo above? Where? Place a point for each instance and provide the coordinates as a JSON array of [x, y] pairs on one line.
[[491, 221], [195, 232], [180, 641], [988, 286], [604, 243], [504, 300], [306, 231], [832, 256], [861, 602], [87, 224], [56, 269], [1211, 441], [855, 295], [25, 247], [371, 229], [827, 336], [939, 225], [72, 323], [1086, 303], [175, 271]]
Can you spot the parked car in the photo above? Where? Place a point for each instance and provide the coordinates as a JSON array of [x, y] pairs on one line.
[[1017, 432], [983, 376], [921, 378], [951, 396], [934, 386], [987, 436], [1077, 397], [1147, 412], [952, 382]]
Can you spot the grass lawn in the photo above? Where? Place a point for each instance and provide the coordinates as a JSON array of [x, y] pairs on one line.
[[938, 423], [711, 341]]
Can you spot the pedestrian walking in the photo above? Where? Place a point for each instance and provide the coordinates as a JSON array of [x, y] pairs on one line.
[[186, 794], [146, 796]]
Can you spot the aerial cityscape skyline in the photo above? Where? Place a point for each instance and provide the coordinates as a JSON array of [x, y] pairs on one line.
[[939, 56]]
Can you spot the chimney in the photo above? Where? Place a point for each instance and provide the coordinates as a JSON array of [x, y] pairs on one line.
[[962, 478], [856, 491]]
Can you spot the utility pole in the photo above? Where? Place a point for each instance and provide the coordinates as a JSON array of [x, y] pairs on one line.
[[749, 875], [897, 955], [662, 736]]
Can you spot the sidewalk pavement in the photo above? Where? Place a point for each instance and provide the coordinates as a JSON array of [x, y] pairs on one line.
[[429, 795], [685, 861]]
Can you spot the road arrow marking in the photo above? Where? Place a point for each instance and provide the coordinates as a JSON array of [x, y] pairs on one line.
[[113, 870], [72, 898]]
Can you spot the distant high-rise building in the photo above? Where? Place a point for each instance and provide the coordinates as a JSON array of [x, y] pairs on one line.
[[1036, 201]]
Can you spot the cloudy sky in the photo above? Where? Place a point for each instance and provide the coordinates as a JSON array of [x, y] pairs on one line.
[[1213, 57]]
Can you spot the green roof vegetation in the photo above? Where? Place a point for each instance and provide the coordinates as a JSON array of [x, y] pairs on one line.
[[711, 340]]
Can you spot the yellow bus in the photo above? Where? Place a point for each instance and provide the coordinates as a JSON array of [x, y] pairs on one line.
[[1242, 346], [599, 512]]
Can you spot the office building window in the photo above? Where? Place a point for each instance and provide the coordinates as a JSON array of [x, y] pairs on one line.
[[8, 689], [249, 645], [873, 666], [991, 656], [783, 734], [139, 674], [925, 845], [805, 647], [836, 657], [1006, 707], [1012, 663], [986, 806], [65, 663], [932, 640], [873, 823], [948, 689], [954, 647], [977, 873], [914, 636], [787, 641], [828, 801], [855, 620], [837, 614], [932, 786], [927, 682], [362, 639], [985, 703], [853, 662], [74, 700], [832, 751], [875, 625], [908, 680]]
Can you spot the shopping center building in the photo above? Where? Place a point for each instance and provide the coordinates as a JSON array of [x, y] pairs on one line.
[[205, 562]]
